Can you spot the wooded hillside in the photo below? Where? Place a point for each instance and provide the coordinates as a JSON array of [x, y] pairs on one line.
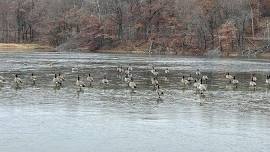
[[183, 26]]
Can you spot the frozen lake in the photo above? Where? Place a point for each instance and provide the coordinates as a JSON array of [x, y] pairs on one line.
[[112, 119]]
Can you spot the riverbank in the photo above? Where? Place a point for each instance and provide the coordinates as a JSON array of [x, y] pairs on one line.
[[194, 53], [20, 48], [142, 47], [15, 47]]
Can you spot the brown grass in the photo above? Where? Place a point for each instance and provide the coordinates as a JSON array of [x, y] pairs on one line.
[[15, 47]]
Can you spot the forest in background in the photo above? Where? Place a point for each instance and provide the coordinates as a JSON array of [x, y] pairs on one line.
[[178, 26]]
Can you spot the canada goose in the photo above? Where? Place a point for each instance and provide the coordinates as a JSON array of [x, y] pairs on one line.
[[252, 83], [153, 68], [119, 69], [184, 81], [205, 78], [74, 69], [198, 72], [130, 75], [122, 69], [167, 71], [190, 78], [196, 84], [2, 78], [127, 79], [130, 68], [254, 78], [229, 77], [155, 72], [61, 77], [267, 80], [127, 71], [90, 79], [105, 80], [79, 83], [159, 92], [17, 80], [166, 78], [234, 81], [132, 84], [33, 78], [56, 81], [201, 87], [154, 81]]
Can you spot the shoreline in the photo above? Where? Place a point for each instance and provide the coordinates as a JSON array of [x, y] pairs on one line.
[[265, 55], [31, 48]]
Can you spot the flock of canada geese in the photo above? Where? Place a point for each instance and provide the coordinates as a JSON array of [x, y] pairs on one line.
[[199, 82]]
